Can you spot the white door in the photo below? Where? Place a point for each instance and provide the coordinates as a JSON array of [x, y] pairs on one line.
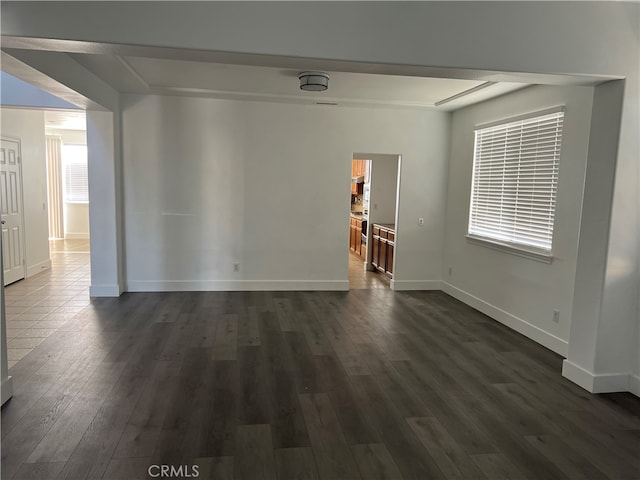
[[11, 210]]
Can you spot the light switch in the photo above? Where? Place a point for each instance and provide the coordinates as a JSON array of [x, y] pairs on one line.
[[421, 221]]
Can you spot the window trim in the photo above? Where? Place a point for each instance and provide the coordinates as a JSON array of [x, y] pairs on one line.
[[524, 116], [518, 249], [513, 249]]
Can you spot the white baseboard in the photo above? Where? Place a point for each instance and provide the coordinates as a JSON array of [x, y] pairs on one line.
[[400, 285], [561, 347], [236, 285], [105, 291], [596, 383], [7, 389], [38, 267], [577, 375], [76, 236], [634, 384]]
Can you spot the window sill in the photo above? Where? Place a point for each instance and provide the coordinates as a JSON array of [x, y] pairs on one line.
[[513, 250], [76, 202]]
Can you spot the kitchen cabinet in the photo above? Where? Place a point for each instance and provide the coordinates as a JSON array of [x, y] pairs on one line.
[[359, 168], [383, 248], [356, 227]]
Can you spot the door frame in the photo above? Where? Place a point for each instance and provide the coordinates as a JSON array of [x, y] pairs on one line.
[[392, 157], [11, 138]]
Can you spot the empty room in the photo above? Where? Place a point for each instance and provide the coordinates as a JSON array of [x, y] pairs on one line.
[[320, 240]]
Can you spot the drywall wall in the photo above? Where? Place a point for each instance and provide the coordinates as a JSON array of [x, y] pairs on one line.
[[105, 197], [76, 220], [6, 382], [69, 136], [384, 183], [213, 183], [634, 379], [28, 126], [520, 292]]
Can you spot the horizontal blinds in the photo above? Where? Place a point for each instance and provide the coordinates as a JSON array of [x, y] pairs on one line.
[[515, 178], [75, 178]]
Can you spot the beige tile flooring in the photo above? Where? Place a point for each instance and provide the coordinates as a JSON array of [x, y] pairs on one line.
[[359, 278], [38, 306]]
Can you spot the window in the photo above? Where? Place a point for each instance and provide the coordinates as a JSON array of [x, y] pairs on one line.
[[515, 177], [75, 177]]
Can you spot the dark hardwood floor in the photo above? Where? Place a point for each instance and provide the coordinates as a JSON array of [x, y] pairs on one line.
[[370, 384]]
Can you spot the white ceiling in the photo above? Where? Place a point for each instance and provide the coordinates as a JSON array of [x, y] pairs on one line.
[[131, 74], [65, 120]]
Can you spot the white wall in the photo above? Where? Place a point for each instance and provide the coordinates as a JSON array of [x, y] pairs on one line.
[[28, 126], [384, 183], [68, 136], [209, 183], [105, 203], [6, 382], [76, 220], [518, 291]]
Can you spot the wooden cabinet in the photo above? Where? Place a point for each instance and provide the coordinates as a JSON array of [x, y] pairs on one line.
[[383, 247], [356, 227], [359, 168]]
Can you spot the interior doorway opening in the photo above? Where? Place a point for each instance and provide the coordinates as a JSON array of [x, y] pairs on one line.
[[373, 220], [67, 175]]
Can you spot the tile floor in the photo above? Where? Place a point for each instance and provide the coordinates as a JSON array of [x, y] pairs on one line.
[[40, 305]]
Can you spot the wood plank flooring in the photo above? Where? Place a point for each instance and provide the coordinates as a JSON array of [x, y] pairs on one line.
[[369, 384]]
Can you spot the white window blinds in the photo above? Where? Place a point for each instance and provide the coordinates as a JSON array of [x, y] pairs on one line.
[[75, 173], [515, 176]]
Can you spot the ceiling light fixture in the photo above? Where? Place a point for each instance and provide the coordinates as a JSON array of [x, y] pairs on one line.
[[313, 81]]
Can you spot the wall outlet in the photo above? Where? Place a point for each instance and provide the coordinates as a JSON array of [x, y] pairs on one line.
[[556, 316], [421, 221], [236, 267]]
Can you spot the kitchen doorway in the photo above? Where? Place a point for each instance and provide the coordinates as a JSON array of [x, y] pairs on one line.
[[372, 220]]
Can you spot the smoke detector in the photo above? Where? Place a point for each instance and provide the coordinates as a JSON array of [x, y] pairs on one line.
[[313, 81]]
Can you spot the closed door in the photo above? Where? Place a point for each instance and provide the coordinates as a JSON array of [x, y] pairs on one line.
[[11, 211]]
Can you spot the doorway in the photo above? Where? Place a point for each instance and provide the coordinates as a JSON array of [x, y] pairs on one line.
[[67, 175], [372, 222]]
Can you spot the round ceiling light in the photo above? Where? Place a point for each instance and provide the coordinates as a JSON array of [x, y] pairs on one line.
[[313, 81]]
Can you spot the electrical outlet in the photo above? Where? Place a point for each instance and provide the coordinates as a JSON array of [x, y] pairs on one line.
[[421, 221], [236, 267], [556, 316]]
